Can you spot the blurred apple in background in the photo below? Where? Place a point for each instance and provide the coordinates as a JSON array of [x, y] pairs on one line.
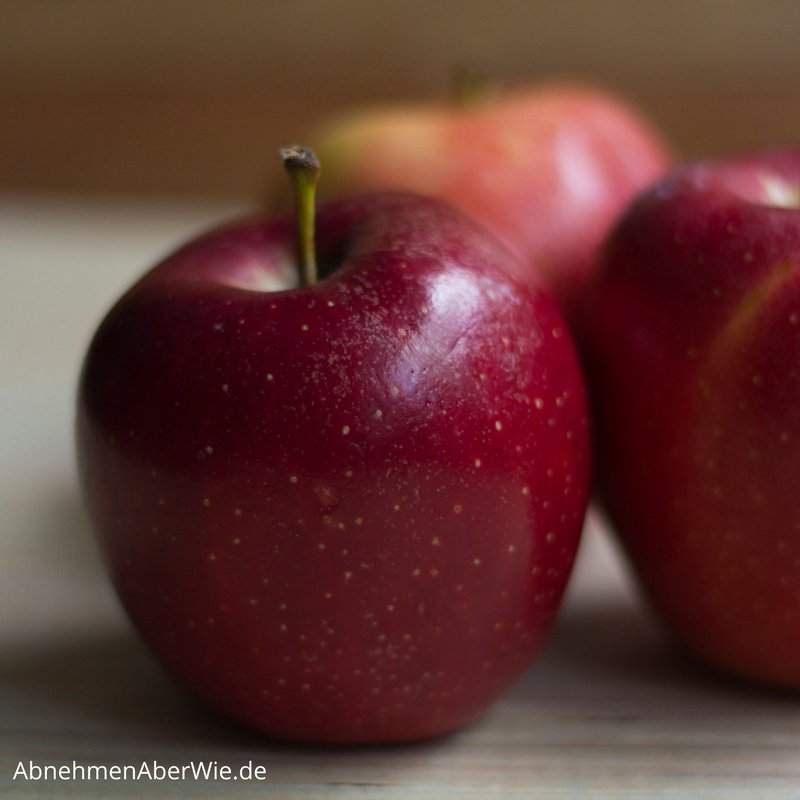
[[546, 168], [693, 337], [345, 510]]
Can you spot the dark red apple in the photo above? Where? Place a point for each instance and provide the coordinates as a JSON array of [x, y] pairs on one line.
[[693, 333], [547, 168], [344, 511]]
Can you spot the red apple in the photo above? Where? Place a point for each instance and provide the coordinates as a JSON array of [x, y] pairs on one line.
[[342, 511], [693, 333], [547, 169]]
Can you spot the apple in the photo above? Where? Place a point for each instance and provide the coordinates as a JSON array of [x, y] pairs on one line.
[[343, 510], [693, 340], [546, 168]]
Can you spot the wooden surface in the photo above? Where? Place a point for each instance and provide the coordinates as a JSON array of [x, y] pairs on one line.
[[609, 710]]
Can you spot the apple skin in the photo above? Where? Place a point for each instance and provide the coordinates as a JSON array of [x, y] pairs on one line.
[[547, 169], [693, 341], [345, 512]]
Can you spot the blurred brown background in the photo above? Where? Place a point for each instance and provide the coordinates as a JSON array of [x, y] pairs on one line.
[[194, 96]]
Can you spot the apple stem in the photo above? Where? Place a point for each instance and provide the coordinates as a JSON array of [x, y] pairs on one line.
[[302, 167]]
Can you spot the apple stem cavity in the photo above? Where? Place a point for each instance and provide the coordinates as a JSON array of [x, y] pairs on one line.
[[302, 166]]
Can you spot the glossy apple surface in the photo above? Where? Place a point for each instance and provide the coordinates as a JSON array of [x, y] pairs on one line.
[[547, 169], [347, 511], [694, 338]]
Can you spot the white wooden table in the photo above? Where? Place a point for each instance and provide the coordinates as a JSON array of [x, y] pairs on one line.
[[609, 710]]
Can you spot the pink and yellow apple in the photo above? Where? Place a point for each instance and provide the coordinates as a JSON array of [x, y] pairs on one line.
[[547, 169]]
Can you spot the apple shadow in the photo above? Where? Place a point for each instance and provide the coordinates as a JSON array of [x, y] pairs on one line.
[[107, 684], [615, 655], [614, 640]]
